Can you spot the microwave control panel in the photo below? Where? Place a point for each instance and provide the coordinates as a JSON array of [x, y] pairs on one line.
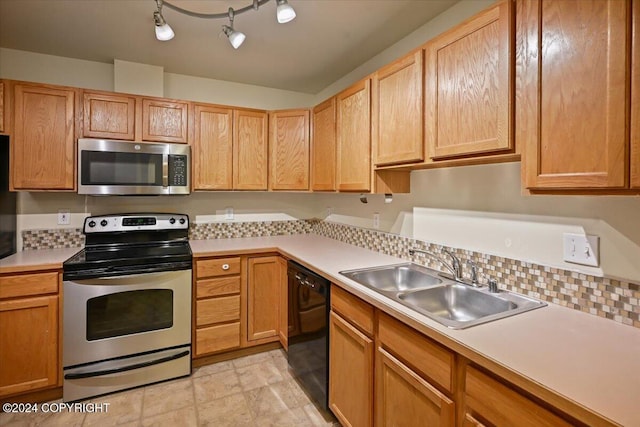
[[177, 170]]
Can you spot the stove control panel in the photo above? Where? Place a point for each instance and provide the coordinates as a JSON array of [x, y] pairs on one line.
[[135, 222]]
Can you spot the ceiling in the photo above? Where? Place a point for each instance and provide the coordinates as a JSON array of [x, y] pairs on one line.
[[327, 40]]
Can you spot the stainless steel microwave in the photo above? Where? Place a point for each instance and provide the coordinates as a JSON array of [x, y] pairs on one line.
[[108, 167]]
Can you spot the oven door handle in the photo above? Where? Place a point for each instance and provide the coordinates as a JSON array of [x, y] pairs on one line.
[[127, 368]]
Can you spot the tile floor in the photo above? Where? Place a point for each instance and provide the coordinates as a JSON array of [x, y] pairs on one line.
[[254, 390]]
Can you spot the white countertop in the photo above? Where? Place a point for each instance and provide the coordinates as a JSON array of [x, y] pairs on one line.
[[591, 361]]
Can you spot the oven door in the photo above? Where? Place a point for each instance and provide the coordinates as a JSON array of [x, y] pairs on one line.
[[112, 317]]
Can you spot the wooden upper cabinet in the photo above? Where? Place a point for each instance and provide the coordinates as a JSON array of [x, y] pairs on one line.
[[397, 111], [109, 116], [250, 150], [323, 146], [468, 86], [572, 93], [164, 121], [43, 142], [289, 150], [354, 137], [635, 98], [212, 148]]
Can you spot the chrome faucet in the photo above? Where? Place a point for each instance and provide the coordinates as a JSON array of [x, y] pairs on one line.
[[455, 267], [474, 273]]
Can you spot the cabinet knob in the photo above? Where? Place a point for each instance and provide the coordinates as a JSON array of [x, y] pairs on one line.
[[225, 266]]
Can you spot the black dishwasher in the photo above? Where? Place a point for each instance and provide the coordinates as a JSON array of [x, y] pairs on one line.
[[308, 306]]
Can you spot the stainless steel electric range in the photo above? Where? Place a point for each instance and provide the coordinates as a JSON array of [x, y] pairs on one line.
[[127, 304]]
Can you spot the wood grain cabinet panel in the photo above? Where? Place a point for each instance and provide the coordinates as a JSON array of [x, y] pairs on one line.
[[283, 304], [29, 342], [250, 150], [496, 404], [353, 126], [109, 116], [468, 85], [2, 108], [398, 111], [350, 373], [217, 338], [403, 397], [289, 150], [43, 142], [635, 98], [164, 121], [263, 287], [323, 146], [573, 79], [212, 148]]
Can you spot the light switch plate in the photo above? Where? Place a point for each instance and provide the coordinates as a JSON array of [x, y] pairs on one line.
[[376, 220], [228, 214], [581, 249], [64, 217]]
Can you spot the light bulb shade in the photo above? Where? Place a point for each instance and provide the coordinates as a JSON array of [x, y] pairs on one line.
[[236, 38], [284, 12], [164, 32]]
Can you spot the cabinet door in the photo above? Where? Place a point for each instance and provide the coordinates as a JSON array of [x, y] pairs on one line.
[[283, 304], [323, 147], [262, 298], [468, 84], [212, 148], [164, 121], [350, 373], [249, 150], [497, 404], [635, 99], [289, 150], [29, 342], [43, 148], [109, 116], [354, 138], [2, 130], [572, 118], [402, 396], [397, 119]]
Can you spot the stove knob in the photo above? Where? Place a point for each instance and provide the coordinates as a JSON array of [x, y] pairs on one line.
[[172, 221], [103, 223], [182, 221], [92, 223]]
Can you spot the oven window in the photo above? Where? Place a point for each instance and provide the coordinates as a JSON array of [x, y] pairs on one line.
[[127, 313], [111, 168]]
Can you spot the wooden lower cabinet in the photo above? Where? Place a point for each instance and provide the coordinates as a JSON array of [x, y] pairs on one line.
[[492, 403], [350, 373], [29, 333], [263, 289], [403, 397], [217, 309]]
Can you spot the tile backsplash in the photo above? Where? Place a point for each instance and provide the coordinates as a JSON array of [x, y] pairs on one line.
[[612, 299]]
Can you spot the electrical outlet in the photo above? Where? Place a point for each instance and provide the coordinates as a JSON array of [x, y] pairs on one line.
[[64, 217], [228, 214], [376, 220], [581, 249]]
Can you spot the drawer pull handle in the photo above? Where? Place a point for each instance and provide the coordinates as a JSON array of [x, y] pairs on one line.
[[225, 267]]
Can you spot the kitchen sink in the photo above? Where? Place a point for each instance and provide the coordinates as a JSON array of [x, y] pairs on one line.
[[395, 278], [450, 303]]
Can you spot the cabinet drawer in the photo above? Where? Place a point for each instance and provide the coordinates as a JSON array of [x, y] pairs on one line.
[[28, 284], [498, 404], [218, 287], [216, 338], [217, 267], [352, 308], [421, 353], [217, 310]]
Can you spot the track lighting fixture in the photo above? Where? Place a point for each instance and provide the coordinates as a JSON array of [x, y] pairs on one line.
[[236, 38], [284, 14], [163, 30]]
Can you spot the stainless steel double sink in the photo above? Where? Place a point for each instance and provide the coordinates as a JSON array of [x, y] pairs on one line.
[[450, 303]]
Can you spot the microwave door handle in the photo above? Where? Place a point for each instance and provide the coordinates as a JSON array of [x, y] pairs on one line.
[[165, 170]]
